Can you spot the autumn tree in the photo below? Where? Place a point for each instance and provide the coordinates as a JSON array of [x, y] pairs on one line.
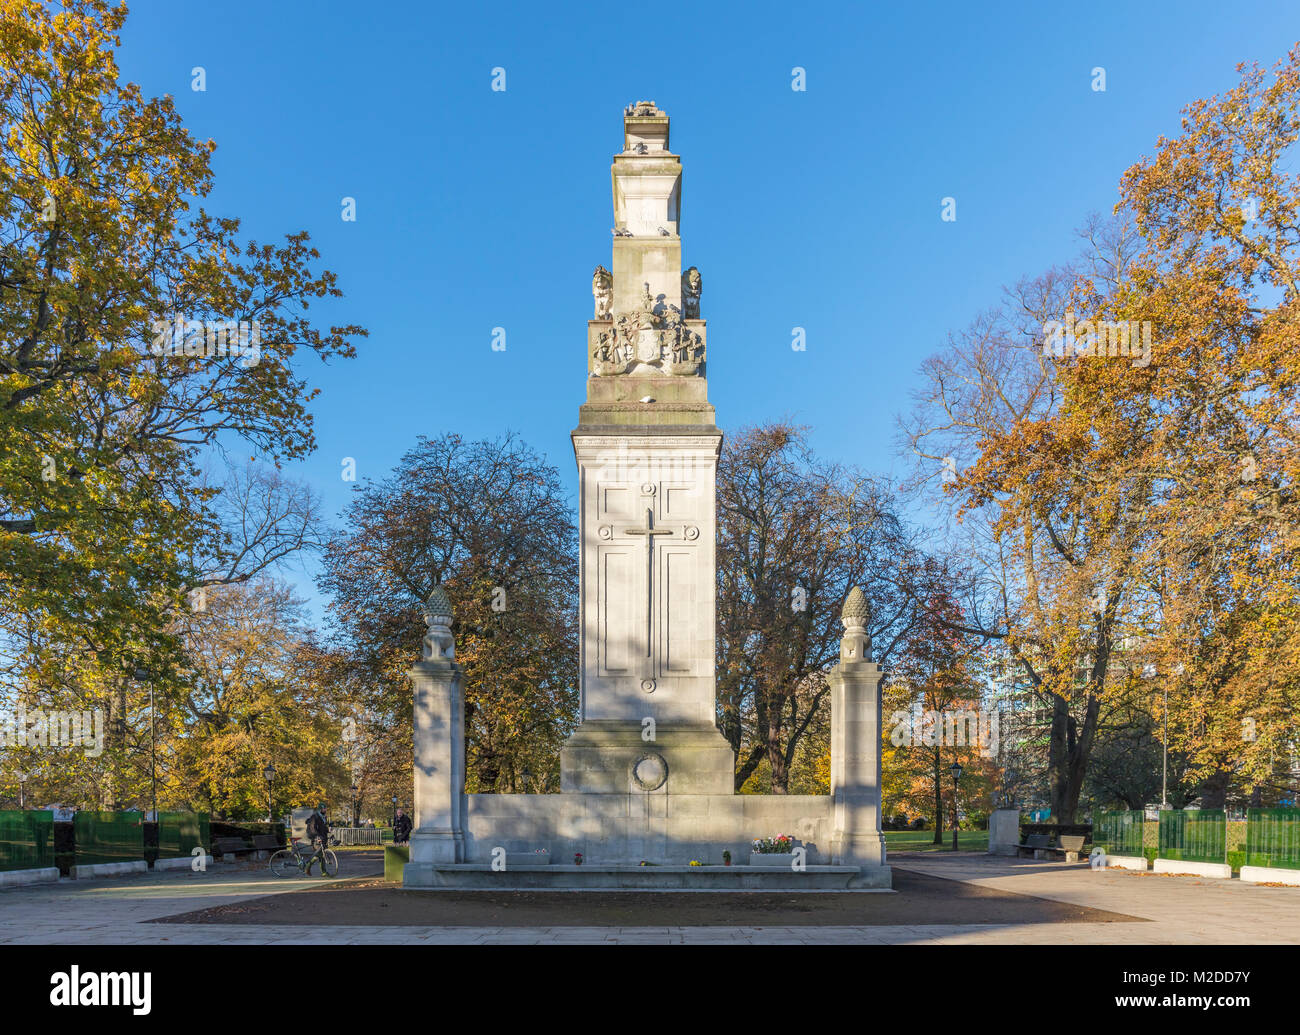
[[1217, 209], [263, 519], [250, 699], [1125, 429], [1059, 511], [244, 696], [795, 534], [120, 374], [490, 523], [934, 711]]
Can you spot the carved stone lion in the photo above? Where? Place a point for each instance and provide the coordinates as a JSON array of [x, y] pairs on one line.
[[602, 289], [692, 287]]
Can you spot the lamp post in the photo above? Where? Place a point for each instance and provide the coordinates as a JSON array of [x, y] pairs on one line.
[[355, 817], [22, 801], [955, 769], [141, 676], [394, 824], [269, 774]]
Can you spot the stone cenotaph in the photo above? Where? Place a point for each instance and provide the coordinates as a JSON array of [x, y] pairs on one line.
[[646, 779]]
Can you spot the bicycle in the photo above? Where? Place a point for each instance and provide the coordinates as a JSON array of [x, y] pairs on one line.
[[288, 861]]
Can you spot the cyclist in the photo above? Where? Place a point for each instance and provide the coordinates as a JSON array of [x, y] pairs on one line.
[[318, 830]]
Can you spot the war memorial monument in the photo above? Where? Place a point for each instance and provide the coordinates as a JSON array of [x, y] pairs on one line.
[[647, 779]]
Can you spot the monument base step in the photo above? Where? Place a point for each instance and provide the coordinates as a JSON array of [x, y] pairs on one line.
[[608, 757], [589, 877]]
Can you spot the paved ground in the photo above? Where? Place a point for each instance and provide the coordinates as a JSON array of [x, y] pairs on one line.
[[917, 898], [967, 898], [1183, 910]]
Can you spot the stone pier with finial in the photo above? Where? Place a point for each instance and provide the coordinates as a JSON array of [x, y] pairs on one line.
[[437, 684], [856, 839]]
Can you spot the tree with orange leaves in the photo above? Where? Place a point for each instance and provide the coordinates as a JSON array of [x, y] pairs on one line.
[[1128, 432]]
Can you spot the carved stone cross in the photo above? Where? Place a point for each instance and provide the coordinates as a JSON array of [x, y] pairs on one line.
[[649, 532]]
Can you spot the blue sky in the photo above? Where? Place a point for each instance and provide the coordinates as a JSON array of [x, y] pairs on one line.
[[820, 209]]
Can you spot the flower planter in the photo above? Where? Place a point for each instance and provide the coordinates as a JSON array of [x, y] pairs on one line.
[[775, 860]]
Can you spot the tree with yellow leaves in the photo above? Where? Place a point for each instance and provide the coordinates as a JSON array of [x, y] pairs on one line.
[[136, 332]]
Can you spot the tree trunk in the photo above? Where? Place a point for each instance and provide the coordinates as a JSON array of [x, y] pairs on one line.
[[938, 798], [1214, 792], [1058, 757], [1068, 755], [776, 754]]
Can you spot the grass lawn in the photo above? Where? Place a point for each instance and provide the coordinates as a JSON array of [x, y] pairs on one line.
[[922, 841]]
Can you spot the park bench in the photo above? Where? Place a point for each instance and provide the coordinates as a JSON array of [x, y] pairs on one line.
[[1033, 844], [231, 846], [1070, 846]]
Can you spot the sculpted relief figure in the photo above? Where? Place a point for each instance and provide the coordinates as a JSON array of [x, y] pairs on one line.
[[602, 289], [692, 287], [646, 341], [610, 356]]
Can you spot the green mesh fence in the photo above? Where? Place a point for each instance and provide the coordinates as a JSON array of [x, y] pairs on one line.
[[1197, 836], [26, 841], [108, 837], [1273, 838], [1118, 833], [179, 833]]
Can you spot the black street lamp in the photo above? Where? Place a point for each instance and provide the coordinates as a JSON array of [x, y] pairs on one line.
[[955, 769], [394, 811], [356, 819], [269, 774]]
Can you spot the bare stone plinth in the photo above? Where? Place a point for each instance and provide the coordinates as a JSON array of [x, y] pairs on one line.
[[644, 878]]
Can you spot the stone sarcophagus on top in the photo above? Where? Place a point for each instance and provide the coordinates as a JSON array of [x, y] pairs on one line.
[[646, 776]]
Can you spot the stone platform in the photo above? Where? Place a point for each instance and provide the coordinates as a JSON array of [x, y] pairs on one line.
[[664, 828], [552, 877]]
